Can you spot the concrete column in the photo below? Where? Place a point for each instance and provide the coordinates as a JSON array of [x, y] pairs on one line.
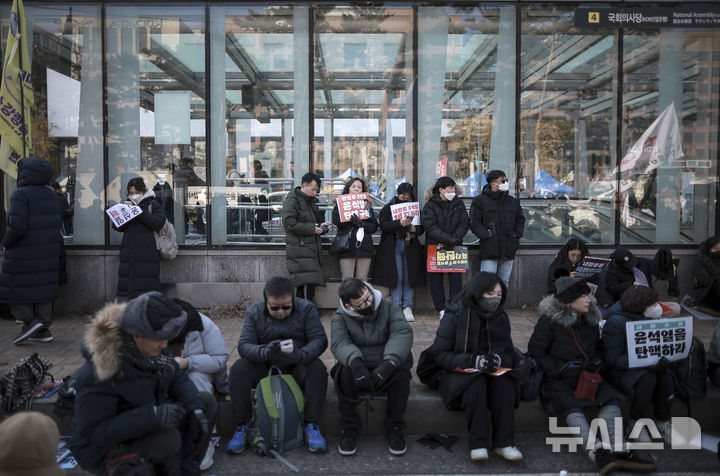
[[88, 218], [667, 222], [218, 139], [327, 147], [580, 172], [433, 25], [288, 147], [301, 88], [502, 142]]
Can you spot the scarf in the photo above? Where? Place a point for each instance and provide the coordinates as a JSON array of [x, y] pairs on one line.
[[160, 365]]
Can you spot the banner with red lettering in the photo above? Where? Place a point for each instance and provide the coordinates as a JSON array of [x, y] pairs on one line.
[[405, 210], [442, 260], [353, 204]]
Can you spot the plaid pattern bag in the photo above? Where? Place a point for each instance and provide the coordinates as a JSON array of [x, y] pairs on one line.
[[18, 386]]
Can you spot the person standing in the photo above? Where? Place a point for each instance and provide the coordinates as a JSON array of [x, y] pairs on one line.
[[399, 261], [446, 222], [31, 267], [139, 270], [372, 342], [280, 316], [303, 229], [497, 219], [355, 261]]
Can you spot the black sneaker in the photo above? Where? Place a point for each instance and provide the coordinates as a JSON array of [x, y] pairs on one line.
[[631, 461], [28, 330], [397, 442], [41, 335], [348, 442], [605, 461]]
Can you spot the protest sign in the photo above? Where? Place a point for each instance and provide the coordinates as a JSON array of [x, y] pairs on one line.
[[590, 266], [405, 210], [122, 213], [441, 260], [353, 204], [648, 341]]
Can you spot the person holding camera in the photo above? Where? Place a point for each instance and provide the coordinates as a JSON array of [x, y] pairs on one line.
[[355, 260], [268, 325], [497, 219]]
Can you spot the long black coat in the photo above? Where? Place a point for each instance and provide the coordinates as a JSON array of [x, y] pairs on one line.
[[300, 214], [384, 269], [33, 238], [366, 248], [706, 270], [460, 338], [445, 222], [501, 213], [139, 270], [552, 345]]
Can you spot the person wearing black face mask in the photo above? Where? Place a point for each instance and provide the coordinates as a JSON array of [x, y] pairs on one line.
[[371, 341], [472, 343]]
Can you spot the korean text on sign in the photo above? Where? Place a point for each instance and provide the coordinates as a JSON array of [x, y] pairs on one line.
[[405, 210], [122, 213], [441, 260], [353, 204], [590, 266], [648, 341]]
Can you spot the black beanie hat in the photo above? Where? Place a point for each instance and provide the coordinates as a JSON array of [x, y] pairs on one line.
[[153, 315], [624, 257], [568, 289]]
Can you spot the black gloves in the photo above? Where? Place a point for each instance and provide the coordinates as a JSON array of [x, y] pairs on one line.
[[284, 359], [356, 220], [488, 362], [661, 366], [170, 415], [361, 375], [271, 350], [382, 373], [201, 419]]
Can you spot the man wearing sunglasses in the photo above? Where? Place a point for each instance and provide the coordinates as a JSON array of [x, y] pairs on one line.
[[279, 317], [371, 341]]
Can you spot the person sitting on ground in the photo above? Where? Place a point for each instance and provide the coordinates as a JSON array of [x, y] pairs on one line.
[[371, 341], [566, 260], [29, 445], [132, 399], [646, 384], [565, 342], [200, 351], [280, 316], [475, 334], [706, 271]]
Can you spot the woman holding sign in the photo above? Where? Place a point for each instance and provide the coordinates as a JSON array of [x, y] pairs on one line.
[[399, 263], [139, 270], [643, 384], [474, 346], [446, 222], [566, 260], [355, 258]]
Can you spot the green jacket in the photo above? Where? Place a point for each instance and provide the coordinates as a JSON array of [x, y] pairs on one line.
[[300, 214], [349, 331]]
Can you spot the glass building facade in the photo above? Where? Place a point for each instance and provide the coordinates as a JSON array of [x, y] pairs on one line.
[[222, 106]]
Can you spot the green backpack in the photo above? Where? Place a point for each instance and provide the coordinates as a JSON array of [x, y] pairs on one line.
[[277, 421]]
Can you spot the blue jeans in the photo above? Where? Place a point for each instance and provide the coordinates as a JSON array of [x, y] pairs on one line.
[[503, 268], [402, 294]]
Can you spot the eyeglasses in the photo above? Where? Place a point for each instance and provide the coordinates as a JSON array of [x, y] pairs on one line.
[[279, 308], [362, 304]]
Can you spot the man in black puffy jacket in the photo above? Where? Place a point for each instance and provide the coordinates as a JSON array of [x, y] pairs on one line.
[[497, 219], [281, 316]]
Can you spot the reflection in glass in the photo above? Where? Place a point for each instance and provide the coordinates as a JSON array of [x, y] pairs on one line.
[[668, 188], [156, 110], [567, 128]]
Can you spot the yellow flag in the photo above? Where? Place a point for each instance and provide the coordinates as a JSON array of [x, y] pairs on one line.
[[15, 88]]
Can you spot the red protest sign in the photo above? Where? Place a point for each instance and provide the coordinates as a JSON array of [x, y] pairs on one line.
[[353, 204], [447, 261], [405, 210]]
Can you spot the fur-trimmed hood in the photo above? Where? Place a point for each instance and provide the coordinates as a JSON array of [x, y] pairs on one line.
[[564, 315], [428, 192], [103, 340]]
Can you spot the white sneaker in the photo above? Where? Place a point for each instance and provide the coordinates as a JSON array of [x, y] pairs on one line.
[[510, 453], [408, 315], [208, 458], [479, 454], [442, 313]]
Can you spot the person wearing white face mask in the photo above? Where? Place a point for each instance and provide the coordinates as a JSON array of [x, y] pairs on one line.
[[645, 385], [497, 219], [139, 270], [446, 222]]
